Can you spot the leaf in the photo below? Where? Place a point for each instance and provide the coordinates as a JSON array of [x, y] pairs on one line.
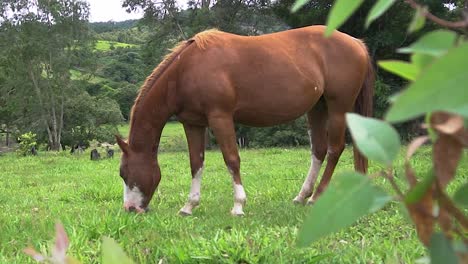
[[421, 214], [418, 20], [417, 192], [449, 124], [34, 254], [461, 196], [113, 253], [375, 139], [59, 251], [421, 60], [377, 10], [350, 196], [401, 68], [443, 86], [435, 43], [72, 260], [415, 145], [412, 148], [447, 148], [339, 13], [298, 5], [441, 251]]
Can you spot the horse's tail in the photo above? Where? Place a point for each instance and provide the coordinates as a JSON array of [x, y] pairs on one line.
[[364, 107]]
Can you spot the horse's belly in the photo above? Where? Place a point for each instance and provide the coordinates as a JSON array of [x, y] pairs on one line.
[[269, 113]]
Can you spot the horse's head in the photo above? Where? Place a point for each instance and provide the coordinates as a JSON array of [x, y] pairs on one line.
[[141, 175]]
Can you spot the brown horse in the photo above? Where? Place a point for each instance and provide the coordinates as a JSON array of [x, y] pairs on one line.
[[217, 78]]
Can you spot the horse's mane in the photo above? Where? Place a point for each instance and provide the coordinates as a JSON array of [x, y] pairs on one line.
[[202, 39], [206, 37]]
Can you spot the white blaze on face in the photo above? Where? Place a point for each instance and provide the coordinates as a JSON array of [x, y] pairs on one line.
[[132, 197]]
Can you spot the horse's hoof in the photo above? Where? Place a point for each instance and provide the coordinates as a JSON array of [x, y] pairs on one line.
[[311, 201], [183, 212], [237, 213], [299, 201]]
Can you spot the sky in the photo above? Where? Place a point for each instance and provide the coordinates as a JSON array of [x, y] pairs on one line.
[[105, 10]]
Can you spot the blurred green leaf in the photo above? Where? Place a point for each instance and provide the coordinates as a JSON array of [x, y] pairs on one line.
[[421, 60], [339, 13], [461, 196], [401, 68], [435, 43], [441, 251], [377, 10], [443, 86], [113, 253], [375, 139], [416, 193], [418, 20], [298, 4], [350, 196]]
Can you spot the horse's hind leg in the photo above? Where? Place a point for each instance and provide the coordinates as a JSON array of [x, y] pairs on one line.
[[223, 129], [196, 143], [336, 142], [317, 121]]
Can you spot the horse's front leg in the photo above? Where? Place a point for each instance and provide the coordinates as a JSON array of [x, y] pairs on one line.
[[196, 143], [223, 129]]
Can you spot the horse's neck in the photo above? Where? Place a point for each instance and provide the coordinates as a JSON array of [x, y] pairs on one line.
[[145, 137], [147, 125]]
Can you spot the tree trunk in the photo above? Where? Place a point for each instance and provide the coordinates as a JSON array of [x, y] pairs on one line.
[[206, 4], [7, 138], [38, 91]]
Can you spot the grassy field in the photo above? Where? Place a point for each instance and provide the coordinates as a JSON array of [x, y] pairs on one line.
[[86, 197], [172, 138], [104, 45]]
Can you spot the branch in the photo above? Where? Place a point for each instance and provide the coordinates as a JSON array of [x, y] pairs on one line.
[[447, 203], [435, 19], [389, 176]]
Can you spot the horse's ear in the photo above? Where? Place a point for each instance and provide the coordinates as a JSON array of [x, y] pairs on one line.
[[122, 144]]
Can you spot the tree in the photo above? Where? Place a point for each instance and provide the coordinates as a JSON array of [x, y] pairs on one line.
[[88, 117], [41, 41]]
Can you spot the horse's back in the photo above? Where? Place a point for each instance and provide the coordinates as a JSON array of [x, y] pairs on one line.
[[273, 78]]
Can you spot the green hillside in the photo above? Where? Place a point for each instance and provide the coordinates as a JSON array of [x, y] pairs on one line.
[[105, 45]]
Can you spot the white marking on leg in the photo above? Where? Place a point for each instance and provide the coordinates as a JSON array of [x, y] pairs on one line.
[[309, 182], [239, 196], [194, 196], [239, 199], [132, 197]]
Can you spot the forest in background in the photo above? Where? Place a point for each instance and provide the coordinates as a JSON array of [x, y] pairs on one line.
[[70, 81]]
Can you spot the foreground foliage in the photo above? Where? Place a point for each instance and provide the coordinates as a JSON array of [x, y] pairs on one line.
[[437, 90]]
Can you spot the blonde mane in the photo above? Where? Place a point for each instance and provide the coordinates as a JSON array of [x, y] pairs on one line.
[[158, 71], [203, 39]]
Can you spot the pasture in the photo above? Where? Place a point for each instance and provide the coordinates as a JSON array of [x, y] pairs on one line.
[[104, 45], [86, 197]]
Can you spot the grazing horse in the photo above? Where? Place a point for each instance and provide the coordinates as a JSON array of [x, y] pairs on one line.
[[216, 79]]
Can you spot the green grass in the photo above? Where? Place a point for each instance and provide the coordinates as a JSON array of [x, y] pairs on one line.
[[78, 75], [87, 197], [172, 139], [104, 45]]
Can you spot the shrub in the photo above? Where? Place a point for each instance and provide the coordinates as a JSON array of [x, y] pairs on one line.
[[26, 142]]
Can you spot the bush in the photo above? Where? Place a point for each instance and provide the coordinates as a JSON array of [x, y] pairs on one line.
[[26, 142]]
